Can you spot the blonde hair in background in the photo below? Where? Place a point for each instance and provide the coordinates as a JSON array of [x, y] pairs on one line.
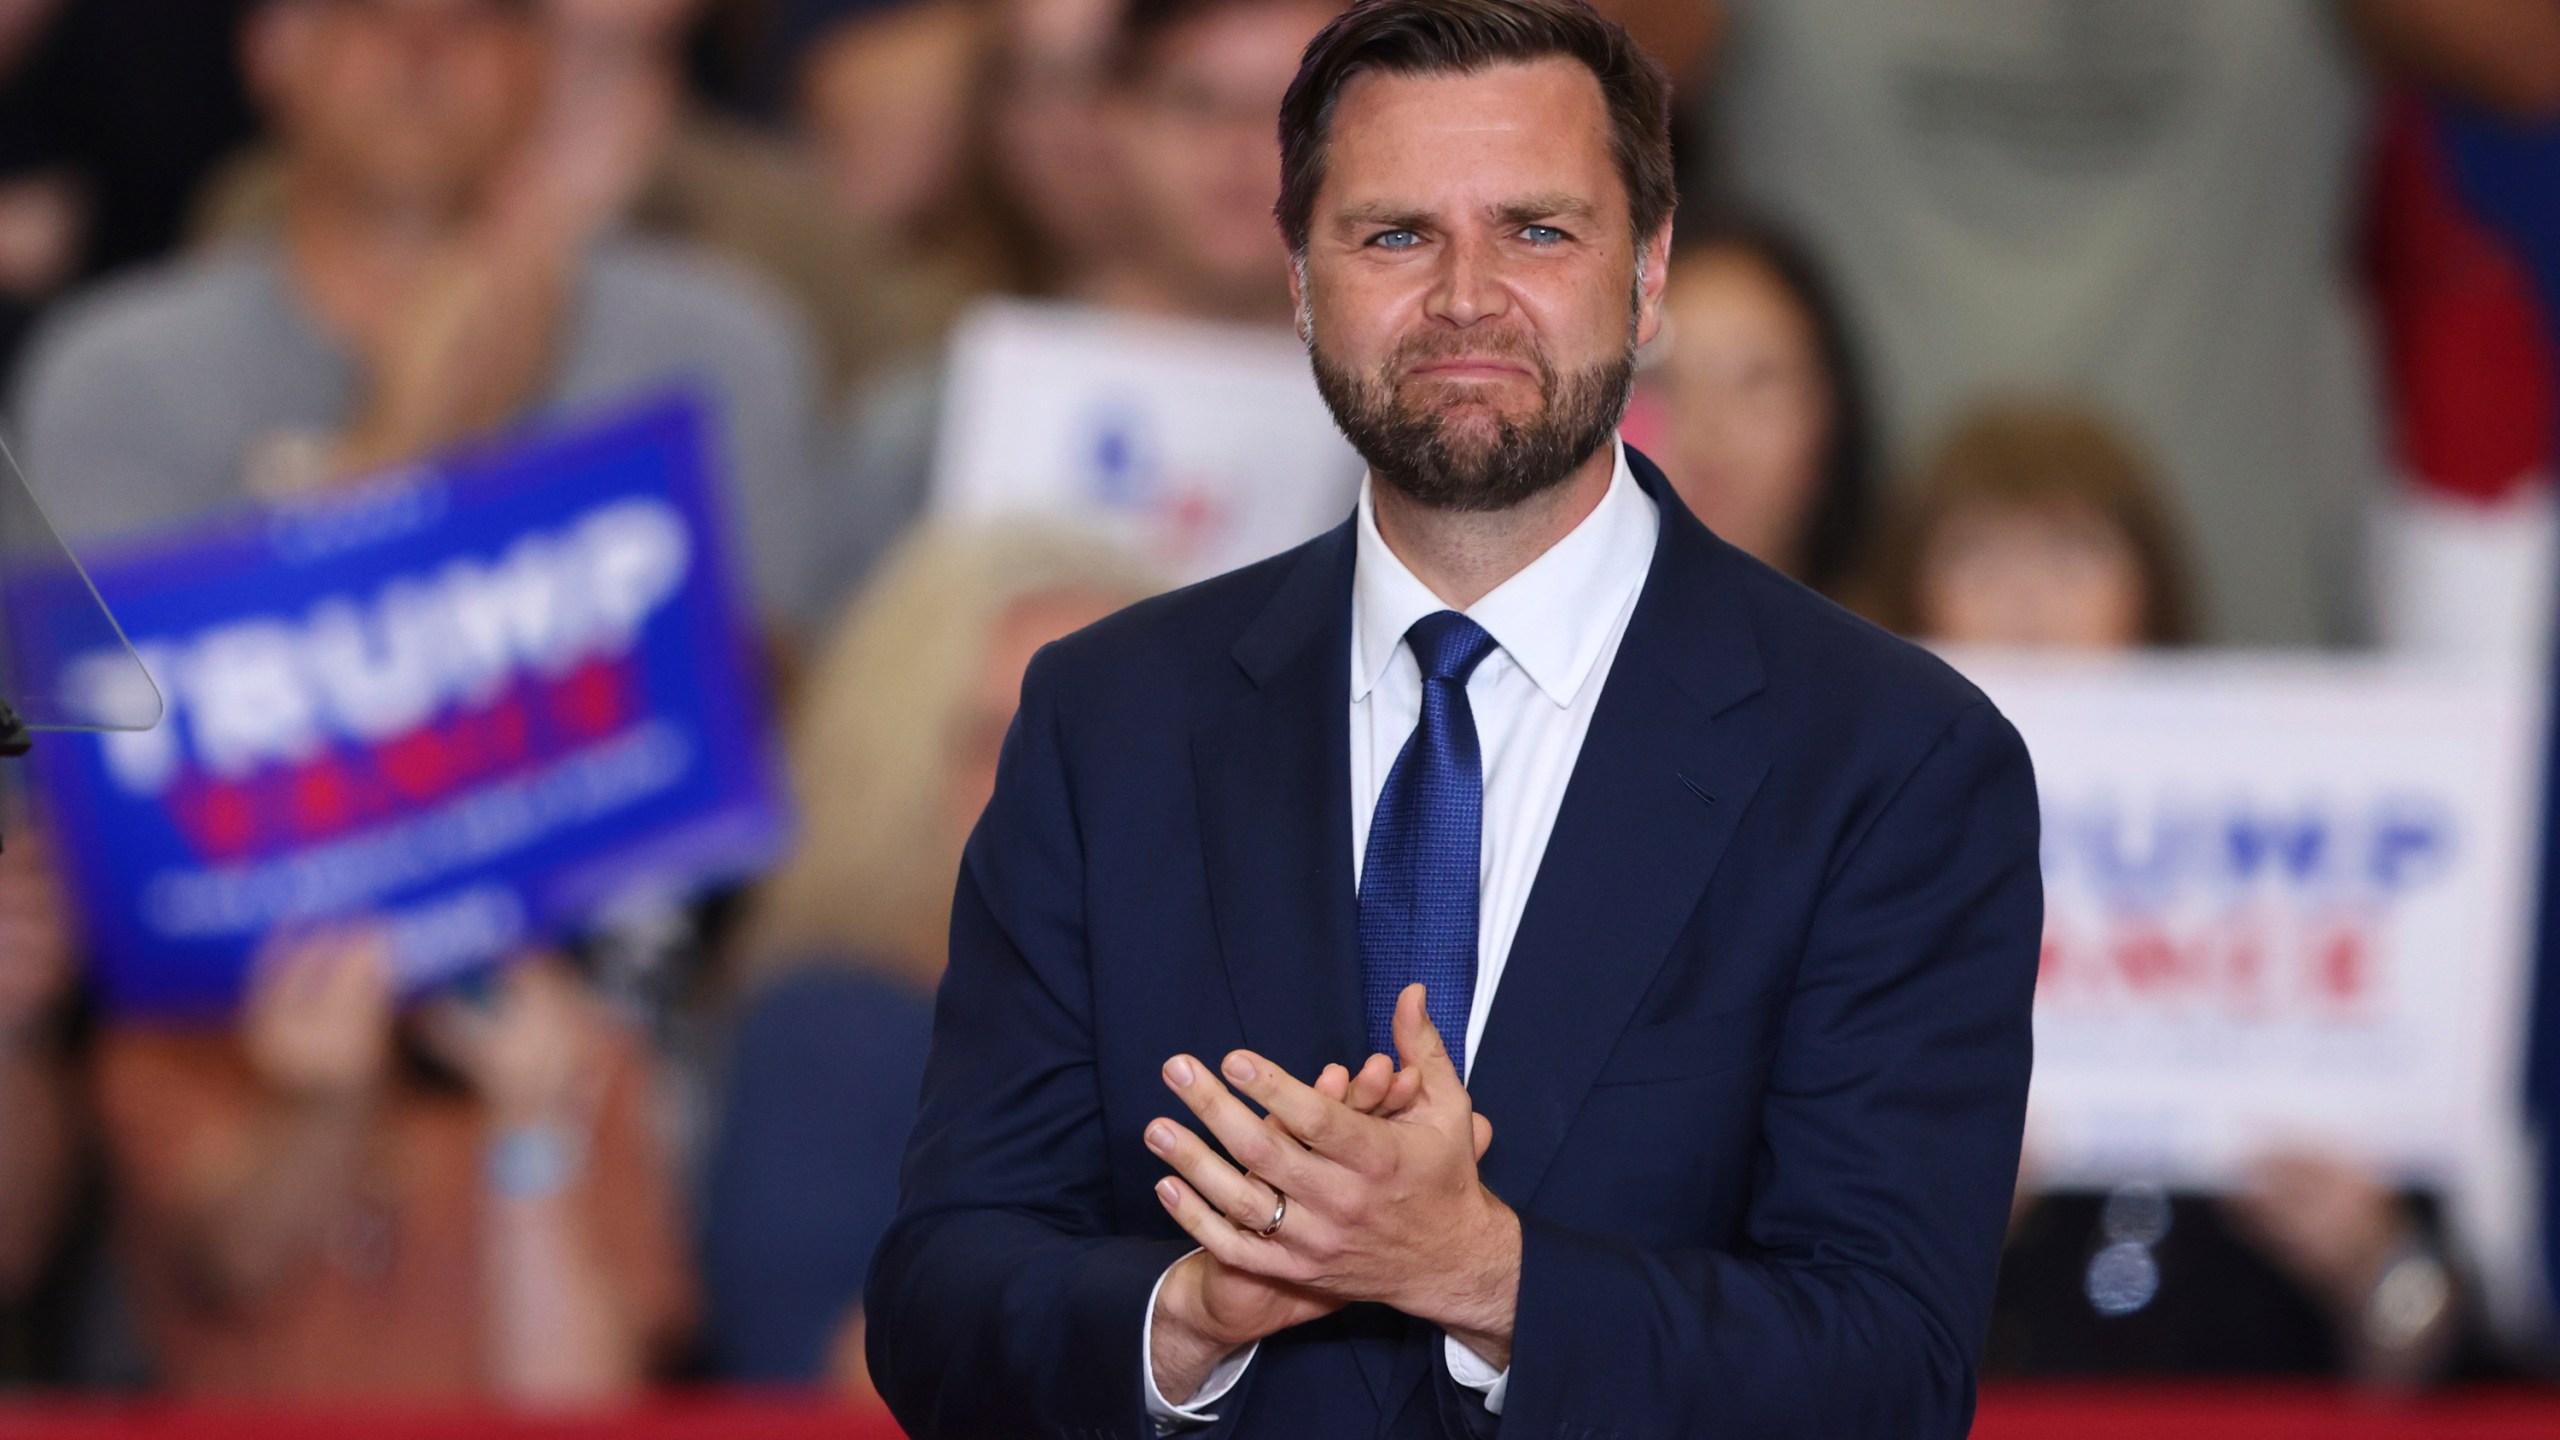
[[870, 875]]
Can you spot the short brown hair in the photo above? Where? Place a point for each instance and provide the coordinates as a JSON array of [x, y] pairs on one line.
[[1461, 37], [2035, 454]]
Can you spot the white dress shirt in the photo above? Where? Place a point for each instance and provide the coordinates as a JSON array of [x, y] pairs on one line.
[[1557, 624]]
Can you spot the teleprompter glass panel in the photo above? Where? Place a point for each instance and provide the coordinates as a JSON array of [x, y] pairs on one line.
[[66, 664]]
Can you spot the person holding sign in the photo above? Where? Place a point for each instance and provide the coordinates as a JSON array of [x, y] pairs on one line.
[[447, 267], [336, 1200], [1700, 918], [2037, 526]]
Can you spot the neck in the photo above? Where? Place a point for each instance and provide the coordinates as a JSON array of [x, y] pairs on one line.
[[1463, 554], [353, 263]]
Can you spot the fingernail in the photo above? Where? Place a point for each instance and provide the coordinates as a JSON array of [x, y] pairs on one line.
[[1178, 1070], [1166, 1193], [1159, 1136], [1239, 1069]]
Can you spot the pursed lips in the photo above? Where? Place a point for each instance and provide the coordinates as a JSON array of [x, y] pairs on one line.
[[1472, 368]]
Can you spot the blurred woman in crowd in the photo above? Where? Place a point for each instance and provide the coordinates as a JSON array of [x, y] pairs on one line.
[[333, 1198], [2038, 525], [1763, 416], [894, 754]]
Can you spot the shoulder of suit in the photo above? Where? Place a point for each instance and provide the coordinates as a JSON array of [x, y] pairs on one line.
[[1819, 651]]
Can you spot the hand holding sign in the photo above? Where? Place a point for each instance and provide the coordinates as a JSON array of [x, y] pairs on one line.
[[317, 1026], [530, 1050]]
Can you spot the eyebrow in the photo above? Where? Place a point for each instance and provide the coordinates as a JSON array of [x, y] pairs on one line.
[[1525, 210], [1381, 214], [1556, 206]]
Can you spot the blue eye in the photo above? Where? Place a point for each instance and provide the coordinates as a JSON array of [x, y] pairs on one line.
[[1395, 240], [1542, 234]]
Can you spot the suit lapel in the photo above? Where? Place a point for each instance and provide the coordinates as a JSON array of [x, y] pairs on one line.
[[1273, 773], [1659, 786]]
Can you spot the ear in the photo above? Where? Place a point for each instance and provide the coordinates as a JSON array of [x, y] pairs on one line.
[[1655, 263], [1298, 298]]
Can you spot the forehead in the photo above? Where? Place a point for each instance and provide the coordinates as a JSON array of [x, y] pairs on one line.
[[1460, 141]]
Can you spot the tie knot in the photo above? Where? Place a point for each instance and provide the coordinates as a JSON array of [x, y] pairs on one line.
[[1448, 645]]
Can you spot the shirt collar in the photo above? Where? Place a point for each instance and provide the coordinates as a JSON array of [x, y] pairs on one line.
[[1552, 618]]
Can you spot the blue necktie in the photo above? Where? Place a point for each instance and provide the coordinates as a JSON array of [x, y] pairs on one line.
[[1426, 842]]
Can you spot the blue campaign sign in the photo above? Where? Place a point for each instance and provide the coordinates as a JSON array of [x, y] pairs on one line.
[[476, 701]]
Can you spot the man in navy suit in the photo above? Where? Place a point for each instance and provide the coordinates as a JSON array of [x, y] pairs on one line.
[[1701, 917]]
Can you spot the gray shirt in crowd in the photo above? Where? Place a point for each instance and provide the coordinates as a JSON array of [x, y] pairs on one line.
[[152, 398], [2149, 207]]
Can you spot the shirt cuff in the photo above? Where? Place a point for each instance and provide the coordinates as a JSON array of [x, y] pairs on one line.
[[1468, 1369], [1169, 1416]]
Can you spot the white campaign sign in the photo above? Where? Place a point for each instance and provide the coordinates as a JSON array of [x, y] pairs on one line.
[[2288, 902], [1205, 445]]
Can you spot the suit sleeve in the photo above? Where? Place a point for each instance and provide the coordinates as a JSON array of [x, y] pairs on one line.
[[1860, 1300], [1002, 1303]]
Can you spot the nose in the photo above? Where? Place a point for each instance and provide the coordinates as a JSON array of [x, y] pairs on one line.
[[1469, 286]]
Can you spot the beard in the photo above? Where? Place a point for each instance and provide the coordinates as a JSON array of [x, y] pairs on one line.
[[1457, 452]]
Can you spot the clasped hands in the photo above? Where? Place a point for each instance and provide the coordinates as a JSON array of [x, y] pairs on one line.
[[1383, 1203]]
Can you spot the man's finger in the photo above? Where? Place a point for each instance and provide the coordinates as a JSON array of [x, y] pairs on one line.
[[1418, 1041], [1225, 1243], [1404, 1088], [1241, 1198], [1256, 1144], [1327, 1127], [1333, 1082], [1369, 1087]]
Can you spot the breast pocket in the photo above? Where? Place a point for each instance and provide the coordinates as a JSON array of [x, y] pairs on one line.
[[1686, 1048]]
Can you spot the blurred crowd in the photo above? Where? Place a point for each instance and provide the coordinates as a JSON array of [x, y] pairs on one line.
[[2097, 324]]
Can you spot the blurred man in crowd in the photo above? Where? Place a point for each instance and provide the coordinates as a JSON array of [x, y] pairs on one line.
[[706, 181], [1153, 196], [334, 1200], [1049, 152], [1195, 87], [444, 270], [893, 757], [2148, 203]]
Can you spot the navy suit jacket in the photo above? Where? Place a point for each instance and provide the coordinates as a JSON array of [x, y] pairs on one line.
[[1757, 1066]]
